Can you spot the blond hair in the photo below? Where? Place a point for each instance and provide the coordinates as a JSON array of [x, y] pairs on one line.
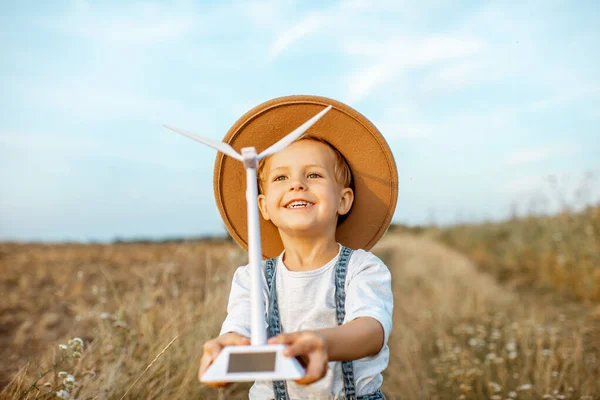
[[341, 169]]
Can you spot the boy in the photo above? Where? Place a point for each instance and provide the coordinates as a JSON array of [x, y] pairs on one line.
[[331, 305]]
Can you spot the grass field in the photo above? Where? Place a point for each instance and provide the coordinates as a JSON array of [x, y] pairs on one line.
[[492, 311]]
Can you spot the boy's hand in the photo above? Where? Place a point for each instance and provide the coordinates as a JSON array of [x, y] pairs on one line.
[[311, 347], [213, 347]]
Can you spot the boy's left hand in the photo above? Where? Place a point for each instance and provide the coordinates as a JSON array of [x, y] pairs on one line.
[[311, 346]]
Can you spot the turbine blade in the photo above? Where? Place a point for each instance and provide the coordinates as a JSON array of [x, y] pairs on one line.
[[220, 146], [295, 134]]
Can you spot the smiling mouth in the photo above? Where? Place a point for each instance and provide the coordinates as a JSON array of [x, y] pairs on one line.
[[299, 204]]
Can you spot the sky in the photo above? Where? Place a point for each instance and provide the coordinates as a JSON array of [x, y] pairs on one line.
[[490, 108]]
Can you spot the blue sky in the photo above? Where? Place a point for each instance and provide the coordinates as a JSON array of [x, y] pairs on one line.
[[479, 103]]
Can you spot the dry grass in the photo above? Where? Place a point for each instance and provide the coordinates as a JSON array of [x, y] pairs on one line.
[[457, 332], [558, 252], [127, 302]]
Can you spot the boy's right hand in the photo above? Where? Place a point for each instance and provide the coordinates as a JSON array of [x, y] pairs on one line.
[[213, 347]]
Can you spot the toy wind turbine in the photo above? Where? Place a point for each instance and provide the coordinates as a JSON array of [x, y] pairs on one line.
[[258, 361]]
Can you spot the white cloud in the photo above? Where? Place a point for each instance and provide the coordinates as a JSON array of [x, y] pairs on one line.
[[530, 183], [525, 156], [407, 130], [401, 121], [149, 23], [398, 56], [567, 96], [307, 26], [460, 130], [45, 142], [100, 100], [264, 14], [552, 192]]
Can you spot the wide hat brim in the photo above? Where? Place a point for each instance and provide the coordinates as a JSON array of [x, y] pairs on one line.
[[358, 140]]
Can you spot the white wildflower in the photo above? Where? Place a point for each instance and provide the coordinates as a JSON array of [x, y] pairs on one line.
[[105, 315], [63, 347], [546, 352], [512, 355], [63, 394], [62, 374], [512, 394], [495, 387], [511, 346], [495, 334], [524, 387]]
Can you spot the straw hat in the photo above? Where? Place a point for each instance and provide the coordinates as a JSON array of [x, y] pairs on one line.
[[366, 151]]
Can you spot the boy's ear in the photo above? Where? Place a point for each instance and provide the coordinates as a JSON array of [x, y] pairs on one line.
[[262, 206], [346, 201]]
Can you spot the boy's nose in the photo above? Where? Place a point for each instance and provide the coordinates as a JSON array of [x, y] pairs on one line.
[[296, 185]]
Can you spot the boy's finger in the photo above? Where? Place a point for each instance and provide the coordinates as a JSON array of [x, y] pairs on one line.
[[234, 340], [207, 360], [316, 369], [298, 349], [213, 348], [211, 351], [303, 347], [283, 338]]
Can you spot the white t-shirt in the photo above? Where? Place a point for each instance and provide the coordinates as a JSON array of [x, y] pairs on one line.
[[306, 301]]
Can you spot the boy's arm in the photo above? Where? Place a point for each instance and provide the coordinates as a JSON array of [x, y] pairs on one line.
[[362, 337], [369, 294], [238, 305]]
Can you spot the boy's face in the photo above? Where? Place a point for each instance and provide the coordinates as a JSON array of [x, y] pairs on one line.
[[301, 193]]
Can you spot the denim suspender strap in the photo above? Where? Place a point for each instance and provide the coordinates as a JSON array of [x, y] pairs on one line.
[[340, 310], [340, 306], [274, 323]]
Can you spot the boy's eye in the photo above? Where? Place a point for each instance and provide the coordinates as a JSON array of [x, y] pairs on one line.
[[314, 175], [279, 178]]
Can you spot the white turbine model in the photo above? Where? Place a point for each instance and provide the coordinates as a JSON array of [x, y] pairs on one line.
[[258, 361]]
